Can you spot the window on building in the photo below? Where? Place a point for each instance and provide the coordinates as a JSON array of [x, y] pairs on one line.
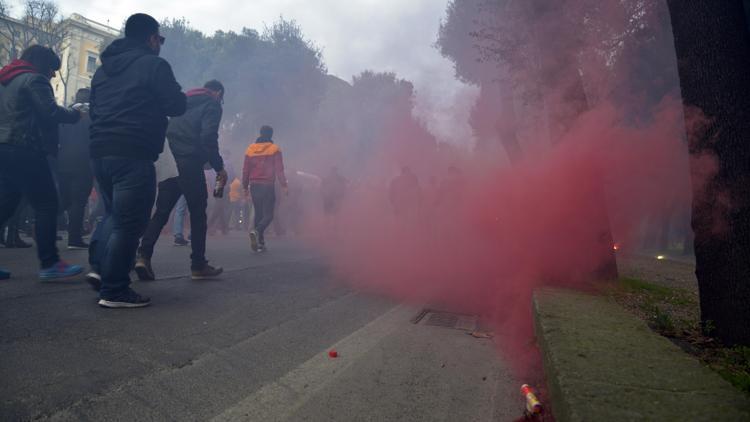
[[91, 63]]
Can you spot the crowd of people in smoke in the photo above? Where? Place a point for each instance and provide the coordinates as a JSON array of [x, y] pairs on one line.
[[150, 147], [119, 125]]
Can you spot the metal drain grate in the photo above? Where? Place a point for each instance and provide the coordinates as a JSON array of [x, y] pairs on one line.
[[446, 319], [442, 319]]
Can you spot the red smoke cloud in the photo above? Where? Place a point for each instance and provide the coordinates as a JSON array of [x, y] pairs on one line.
[[482, 242], [484, 249]]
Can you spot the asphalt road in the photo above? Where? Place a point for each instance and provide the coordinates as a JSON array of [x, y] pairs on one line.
[[251, 346]]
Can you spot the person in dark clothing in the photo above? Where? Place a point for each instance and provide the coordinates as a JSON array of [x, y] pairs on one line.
[[29, 117], [132, 94], [74, 173], [333, 190], [262, 167], [13, 237], [405, 194], [194, 141]]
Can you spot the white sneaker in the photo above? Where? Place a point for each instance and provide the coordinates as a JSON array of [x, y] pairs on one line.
[[95, 280]]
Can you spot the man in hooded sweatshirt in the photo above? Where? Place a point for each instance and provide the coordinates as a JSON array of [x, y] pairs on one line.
[[194, 141], [263, 166], [29, 117], [132, 94]]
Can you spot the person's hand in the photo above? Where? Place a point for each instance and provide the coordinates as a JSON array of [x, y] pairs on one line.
[[285, 189], [246, 192], [81, 108], [222, 175]]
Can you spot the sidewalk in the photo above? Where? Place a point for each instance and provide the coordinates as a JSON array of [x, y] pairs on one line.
[[604, 364]]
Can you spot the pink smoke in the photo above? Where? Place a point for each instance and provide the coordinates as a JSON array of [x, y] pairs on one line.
[[485, 247]]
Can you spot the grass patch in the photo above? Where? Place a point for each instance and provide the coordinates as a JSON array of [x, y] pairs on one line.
[[675, 313]]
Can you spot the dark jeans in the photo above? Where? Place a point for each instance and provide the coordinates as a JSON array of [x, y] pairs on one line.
[[264, 201], [75, 189], [191, 182], [127, 187], [24, 172]]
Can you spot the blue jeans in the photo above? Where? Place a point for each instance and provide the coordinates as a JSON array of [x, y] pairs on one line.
[[127, 187], [178, 225], [24, 172]]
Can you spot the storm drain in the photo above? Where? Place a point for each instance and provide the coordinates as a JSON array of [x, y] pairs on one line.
[[446, 319]]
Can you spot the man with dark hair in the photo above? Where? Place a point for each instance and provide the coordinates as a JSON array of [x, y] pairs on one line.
[[132, 93], [263, 166], [29, 117], [194, 141], [75, 178]]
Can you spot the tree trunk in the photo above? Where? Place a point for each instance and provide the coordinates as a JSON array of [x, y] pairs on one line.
[[713, 54], [506, 125], [564, 111]]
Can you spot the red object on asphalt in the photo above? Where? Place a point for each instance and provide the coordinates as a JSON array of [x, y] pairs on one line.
[[333, 353], [533, 406]]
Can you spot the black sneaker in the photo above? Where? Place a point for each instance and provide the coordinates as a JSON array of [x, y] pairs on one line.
[[254, 240], [129, 299], [207, 272], [94, 279], [144, 270], [77, 245], [180, 241]]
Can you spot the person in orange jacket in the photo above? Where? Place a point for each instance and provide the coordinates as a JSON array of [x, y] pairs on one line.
[[263, 166]]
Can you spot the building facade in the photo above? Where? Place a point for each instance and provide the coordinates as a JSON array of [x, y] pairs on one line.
[[79, 47], [80, 55]]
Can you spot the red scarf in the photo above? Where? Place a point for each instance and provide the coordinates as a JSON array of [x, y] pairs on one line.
[[15, 68], [203, 91]]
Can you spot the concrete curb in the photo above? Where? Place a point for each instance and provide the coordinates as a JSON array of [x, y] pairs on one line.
[[603, 363]]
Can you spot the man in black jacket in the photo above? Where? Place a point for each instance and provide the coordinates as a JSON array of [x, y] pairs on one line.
[[132, 94], [75, 179], [194, 141], [29, 117]]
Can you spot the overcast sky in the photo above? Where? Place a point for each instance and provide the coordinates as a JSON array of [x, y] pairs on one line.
[[382, 35]]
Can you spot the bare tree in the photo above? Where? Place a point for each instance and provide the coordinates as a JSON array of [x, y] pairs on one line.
[[41, 23], [10, 33], [46, 26]]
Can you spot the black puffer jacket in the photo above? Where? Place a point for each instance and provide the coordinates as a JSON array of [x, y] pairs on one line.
[[132, 94], [195, 134], [29, 114]]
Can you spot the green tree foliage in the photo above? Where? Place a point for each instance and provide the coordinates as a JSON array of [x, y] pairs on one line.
[[369, 121], [275, 78], [278, 77]]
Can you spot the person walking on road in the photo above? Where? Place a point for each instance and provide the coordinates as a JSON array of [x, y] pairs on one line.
[[194, 141], [132, 94], [178, 222], [29, 118], [263, 166], [75, 177]]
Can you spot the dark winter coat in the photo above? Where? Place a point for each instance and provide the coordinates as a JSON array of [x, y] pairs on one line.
[[29, 114], [74, 157], [132, 94], [195, 134]]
